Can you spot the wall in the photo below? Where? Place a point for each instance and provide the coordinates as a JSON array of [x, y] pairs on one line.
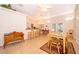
[[67, 24], [11, 21], [76, 33], [35, 21]]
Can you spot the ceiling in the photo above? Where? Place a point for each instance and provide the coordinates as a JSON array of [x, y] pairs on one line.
[[34, 10]]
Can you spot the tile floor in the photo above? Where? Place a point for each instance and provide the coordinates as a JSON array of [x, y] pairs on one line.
[[31, 46]]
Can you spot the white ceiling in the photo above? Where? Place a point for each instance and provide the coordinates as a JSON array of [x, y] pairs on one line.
[[35, 11]]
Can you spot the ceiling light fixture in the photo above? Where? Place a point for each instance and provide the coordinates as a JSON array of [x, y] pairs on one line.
[[48, 21], [69, 18], [44, 7]]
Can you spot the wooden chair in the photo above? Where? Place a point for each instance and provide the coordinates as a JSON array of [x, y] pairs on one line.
[[65, 45], [34, 33], [54, 42], [30, 35], [69, 35], [37, 32]]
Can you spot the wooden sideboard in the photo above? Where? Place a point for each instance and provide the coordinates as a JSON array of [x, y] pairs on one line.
[[11, 37]]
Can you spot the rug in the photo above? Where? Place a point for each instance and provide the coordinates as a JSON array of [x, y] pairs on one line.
[[70, 49]]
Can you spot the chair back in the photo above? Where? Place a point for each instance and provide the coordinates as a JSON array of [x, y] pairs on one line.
[[55, 40]]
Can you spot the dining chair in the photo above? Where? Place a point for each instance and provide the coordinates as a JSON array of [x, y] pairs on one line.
[[54, 42]]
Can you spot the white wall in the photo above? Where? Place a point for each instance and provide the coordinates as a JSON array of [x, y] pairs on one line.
[[67, 24], [11, 21], [35, 21], [76, 33]]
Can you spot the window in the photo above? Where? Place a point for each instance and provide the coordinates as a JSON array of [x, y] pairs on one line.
[[54, 27], [57, 27], [60, 27]]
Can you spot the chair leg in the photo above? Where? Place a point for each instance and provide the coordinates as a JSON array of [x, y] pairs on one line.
[[58, 49], [48, 44], [50, 48], [4, 46]]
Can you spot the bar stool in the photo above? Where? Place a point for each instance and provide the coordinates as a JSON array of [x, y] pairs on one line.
[[30, 35], [34, 34]]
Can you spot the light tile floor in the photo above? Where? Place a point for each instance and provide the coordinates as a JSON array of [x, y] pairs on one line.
[[31, 46]]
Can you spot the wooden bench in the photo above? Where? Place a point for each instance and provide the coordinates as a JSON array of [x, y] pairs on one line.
[[11, 37]]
